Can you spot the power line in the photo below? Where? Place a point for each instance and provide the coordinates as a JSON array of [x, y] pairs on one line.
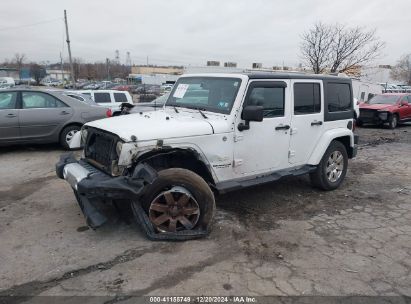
[[28, 25]]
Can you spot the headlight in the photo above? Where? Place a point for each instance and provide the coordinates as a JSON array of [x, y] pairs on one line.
[[383, 115], [84, 134], [119, 146]]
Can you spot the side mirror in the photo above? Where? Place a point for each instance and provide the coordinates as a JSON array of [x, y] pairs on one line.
[[250, 113], [404, 103]]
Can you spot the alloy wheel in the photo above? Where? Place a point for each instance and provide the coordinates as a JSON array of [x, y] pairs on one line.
[[69, 135], [335, 166], [174, 210]]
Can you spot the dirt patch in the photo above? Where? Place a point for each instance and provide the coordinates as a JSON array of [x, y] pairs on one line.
[[20, 191]]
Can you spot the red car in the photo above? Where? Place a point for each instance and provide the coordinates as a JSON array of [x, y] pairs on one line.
[[391, 108]]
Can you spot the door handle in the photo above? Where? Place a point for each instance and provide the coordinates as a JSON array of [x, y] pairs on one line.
[[282, 127], [64, 113], [316, 123], [11, 115]]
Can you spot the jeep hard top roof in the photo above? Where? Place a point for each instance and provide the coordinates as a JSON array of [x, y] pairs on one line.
[[272, 75], [280, 75]]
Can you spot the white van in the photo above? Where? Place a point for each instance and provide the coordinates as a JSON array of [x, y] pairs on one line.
[[7, 82], [108, 98]]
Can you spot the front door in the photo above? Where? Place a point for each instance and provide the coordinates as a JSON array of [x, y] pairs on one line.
[[9, 119], [263, 147], [307, 121], [42, 115]]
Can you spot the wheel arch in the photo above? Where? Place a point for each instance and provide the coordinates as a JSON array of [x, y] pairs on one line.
[[345, 136], [69, 125], [185, 158]]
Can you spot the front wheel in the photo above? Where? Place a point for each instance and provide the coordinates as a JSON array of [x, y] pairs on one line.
[[332, 169], [393, 122], [179, 200]]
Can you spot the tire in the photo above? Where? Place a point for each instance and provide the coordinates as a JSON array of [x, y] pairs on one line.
[[67, 134], [324, 179], [393, 122], [179, 200]]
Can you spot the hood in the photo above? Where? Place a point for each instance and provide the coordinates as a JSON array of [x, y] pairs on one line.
[[160, 124], [377, 106]]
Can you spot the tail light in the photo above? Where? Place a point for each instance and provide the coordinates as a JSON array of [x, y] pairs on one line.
[[109, 113]]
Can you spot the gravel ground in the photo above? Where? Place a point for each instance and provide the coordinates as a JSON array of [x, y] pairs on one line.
[[283, 238]]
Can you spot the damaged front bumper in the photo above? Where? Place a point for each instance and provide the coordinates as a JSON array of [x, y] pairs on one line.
[[92, 187]]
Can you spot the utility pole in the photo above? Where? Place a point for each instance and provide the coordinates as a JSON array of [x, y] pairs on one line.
[[108, 68], [61, 68], [69, 51]]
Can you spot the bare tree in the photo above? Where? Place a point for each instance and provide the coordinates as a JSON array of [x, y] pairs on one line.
[[339, 48], [316, 47], [352, 47], [19, 60], [402, 70], [37, 72]]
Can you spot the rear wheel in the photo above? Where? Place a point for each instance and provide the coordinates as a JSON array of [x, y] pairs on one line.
[[332, 169], [179, 200], [67, 134]]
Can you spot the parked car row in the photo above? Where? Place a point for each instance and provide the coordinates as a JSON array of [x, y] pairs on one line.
[[395, 88]]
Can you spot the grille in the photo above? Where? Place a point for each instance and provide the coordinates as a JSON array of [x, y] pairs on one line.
[[368, 113], [100, 149]]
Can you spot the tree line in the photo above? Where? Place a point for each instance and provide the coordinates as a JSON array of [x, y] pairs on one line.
[[82, 70]]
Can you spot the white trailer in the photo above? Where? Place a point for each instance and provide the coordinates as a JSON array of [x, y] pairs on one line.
[[364, 91]]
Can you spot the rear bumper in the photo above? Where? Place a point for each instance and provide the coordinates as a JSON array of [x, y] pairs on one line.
[[93, 187]]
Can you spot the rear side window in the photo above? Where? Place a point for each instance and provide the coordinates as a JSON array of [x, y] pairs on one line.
[[307, 98], [7, 100], [102, 97], [120, 97], [339, 97]]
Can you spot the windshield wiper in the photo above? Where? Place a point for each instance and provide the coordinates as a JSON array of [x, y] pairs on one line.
[[175, 109], [201, 112]]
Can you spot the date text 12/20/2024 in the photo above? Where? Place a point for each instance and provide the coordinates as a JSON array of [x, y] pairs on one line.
[[203, 299]]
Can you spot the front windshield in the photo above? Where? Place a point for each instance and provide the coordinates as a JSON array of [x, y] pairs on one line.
[[384, 99], [161, 99], [214, 94]]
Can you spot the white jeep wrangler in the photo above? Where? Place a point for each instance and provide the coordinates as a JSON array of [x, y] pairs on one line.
[[216, 133]]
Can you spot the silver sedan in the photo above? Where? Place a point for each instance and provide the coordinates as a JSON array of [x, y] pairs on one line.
[[40, 116]]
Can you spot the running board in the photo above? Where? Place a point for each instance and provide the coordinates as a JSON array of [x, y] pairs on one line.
[[237, 184]]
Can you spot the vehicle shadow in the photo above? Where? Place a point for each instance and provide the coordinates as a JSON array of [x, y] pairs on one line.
[[291, 198], [32, 147]]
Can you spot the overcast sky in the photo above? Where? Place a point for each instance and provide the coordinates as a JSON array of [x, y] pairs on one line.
[[187, 32]]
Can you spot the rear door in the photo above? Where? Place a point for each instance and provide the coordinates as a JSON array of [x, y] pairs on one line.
[[307, 119], [9, 116], [42, 115]]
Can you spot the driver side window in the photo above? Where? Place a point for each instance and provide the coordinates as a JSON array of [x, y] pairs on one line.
[[269, 97]]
